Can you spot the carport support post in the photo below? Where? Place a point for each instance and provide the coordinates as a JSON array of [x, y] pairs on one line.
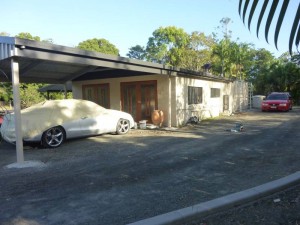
[[170, 103], [17, 110]]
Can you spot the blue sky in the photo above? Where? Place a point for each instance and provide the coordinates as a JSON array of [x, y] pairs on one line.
[[126, 23]]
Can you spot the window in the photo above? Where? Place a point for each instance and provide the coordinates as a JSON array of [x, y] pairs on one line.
[[98, 93], [215, 92], [194, 95]]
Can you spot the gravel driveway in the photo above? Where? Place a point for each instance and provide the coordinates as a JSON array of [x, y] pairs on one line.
[[112, 179]]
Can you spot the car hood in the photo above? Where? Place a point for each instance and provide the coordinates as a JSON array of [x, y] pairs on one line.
[[275, 101]]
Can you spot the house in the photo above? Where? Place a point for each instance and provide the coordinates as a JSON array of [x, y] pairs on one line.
[[179, 96]]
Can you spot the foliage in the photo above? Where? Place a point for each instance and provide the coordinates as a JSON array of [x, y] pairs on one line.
[[29, 94], [262, 62], [28, 36], [5, 92], [296, 59], [225, 52], [3, 96], [2, 33], [197, 52], [137, 52], [232, 59], [60, 95], [221, 54], [99, 45], [166, 45], [225, 21]]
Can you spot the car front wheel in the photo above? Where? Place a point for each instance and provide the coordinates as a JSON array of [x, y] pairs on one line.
[[53, 137], [123, 126]]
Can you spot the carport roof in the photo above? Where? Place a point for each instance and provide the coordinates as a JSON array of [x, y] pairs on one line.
[[41, 62], [56, 88]]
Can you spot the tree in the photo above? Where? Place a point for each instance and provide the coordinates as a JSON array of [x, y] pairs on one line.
[[28, 36], [284, 76], [166, 45], [221, 58], [4, 34], [137, 52], [197, 52], [269, 74], [99, 45], [295, 28], [258, 73], [241, 59], [225, 21], [221, 51], [29, 94]]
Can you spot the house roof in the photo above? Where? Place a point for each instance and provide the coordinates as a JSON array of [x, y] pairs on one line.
[[41, 62]]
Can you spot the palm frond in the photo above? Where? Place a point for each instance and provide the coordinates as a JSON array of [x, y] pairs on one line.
[[295, 29], [280, 20], [252, 12], [298, 39], [245, 10], [270, 18], [261, 15]]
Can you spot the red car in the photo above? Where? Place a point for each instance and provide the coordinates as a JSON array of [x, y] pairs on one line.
[[1, 119], [277, 101]]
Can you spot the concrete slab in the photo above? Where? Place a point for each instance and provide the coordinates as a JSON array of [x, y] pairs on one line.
[[26, 164]]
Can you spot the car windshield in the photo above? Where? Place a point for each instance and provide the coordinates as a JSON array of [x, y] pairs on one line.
[[277, 97]]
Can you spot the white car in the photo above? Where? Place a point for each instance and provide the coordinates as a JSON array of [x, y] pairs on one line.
[[52, 122]]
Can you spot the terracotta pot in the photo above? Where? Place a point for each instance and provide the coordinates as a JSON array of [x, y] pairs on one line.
[[157, 117]]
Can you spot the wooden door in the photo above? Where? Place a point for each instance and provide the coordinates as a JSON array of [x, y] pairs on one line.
[[98, 93], [139, 99], [225, 102], [129, 99]]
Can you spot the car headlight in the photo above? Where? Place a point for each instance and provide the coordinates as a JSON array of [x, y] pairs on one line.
[[282, 104], [264, 104]]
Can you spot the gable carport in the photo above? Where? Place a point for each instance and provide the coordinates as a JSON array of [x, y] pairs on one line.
[[26, 61]]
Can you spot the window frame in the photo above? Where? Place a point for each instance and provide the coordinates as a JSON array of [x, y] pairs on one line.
[[195, 95], [215, 92]]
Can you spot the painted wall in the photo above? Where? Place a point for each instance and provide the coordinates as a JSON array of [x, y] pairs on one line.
[[210, 107]]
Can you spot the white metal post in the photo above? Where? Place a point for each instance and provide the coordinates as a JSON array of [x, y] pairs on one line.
[[170, 103], [17, 110]]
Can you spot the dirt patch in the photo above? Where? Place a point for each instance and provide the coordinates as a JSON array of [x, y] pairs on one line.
[[120, 179]]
